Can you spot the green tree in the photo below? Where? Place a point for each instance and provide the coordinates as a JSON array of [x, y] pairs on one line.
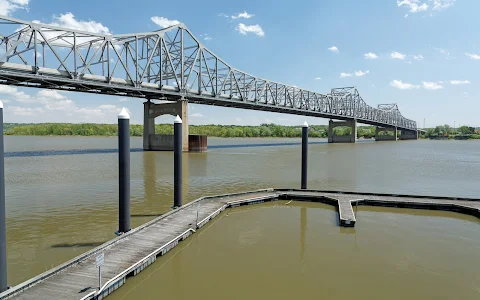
[[465, 130]]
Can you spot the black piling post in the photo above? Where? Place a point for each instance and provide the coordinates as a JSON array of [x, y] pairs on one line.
[[177, 161], [124, 171], [304, 155], [3, 223]]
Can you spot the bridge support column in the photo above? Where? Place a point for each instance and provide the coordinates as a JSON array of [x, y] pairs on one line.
[[408, 134], [152, 141], [381, 134], [148, 124], [350, 138]]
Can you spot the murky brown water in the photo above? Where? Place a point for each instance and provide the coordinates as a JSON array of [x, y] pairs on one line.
[[299, 252], [59, 206]]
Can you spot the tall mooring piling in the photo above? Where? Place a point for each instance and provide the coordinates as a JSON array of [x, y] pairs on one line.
[[124, 171], [177, 161], [3, 224], [304, 155]]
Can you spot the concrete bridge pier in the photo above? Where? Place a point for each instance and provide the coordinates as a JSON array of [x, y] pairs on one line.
[[351, 138], [381, 134], [408, 134], [152, 141]]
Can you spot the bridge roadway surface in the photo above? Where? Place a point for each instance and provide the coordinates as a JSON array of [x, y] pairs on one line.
[[132, 252]]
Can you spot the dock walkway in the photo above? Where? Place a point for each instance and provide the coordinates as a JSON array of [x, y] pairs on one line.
[[345, 200], [130, 253]]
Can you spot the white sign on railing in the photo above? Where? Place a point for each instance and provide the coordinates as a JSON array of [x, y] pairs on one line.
[[100, 260]]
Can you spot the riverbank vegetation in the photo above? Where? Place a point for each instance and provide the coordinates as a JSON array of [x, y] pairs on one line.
[[264, 130], [447, 132]]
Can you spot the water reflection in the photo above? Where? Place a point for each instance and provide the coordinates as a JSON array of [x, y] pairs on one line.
[[149, 174], [71, 245], [132, 150], [156, 165], [303, 231]]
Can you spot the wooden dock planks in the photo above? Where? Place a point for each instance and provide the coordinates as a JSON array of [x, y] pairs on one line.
[[344, 201], [132, 252]]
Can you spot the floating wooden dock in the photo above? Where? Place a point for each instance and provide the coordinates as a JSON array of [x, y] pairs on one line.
[[130, 253]]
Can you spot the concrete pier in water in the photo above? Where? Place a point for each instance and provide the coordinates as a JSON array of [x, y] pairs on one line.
[[408, 134], [382, 134], [350, 138], [130, 253], [151, 110]]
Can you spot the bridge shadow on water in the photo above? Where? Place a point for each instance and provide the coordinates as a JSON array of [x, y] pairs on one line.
[[132, 150]]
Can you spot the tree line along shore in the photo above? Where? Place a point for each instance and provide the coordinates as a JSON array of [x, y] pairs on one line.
[[226, 131]]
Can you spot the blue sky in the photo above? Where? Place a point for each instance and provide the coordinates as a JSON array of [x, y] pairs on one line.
[[423, 55]]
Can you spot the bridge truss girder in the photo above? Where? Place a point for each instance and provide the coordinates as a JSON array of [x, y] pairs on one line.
[[169, 63]]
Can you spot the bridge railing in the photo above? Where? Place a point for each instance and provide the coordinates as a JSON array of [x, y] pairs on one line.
[[171, 61]]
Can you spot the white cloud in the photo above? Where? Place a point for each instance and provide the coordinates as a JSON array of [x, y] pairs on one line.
[[196, 115], [206, 37], [318, 78], [107, 106], [443, 51], [413, 5], [7, 7], [473, 55], [403, 85], [15, 93], [54, 106], [20, 2], [39, 55], [457, 82], [361, 73], [124, 99], [370, 55], [244, 15], [245, 29], [65, 105], [50, 94], [397, 55], [418, 57], [102, 110], [333, 49], [428, 85], [24, 111], [442, 4], [343, 75], [164, 22], [68, 21]]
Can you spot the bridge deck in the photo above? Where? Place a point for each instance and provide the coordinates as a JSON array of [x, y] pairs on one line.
[[132, 252]]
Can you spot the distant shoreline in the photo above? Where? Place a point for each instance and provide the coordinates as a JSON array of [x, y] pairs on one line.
[[221, 131]]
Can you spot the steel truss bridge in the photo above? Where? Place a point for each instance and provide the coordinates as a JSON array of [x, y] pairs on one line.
[[167, 64]]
